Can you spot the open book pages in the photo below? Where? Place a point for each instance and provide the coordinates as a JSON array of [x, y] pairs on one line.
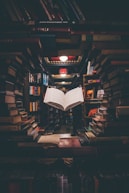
[[50, 139], [53, 138], [64, 140], [63, 101]]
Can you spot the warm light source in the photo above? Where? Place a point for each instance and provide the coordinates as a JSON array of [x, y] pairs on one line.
[[63, 58], [63, 71]]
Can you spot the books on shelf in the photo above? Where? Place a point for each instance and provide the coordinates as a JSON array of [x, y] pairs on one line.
[[122, 111], [6, 85], [35, 78], [8, 70], [8, 112], [10, 127], [33, 106], [7, 106], [10, 119], [34, 90], [6, 98], [19, 126], [63, 101], [45, 11]]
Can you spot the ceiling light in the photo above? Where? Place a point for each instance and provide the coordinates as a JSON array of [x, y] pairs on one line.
[[63, 75], [63, 71], [63, 58]]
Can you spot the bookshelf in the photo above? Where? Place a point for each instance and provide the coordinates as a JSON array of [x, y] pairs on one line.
[[15, 121], [91, 84], [46, 11], [112, 67], [34, 94]]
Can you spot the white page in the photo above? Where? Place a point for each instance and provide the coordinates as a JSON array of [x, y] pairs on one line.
[[54, 97], [74, 97], [53, 139]]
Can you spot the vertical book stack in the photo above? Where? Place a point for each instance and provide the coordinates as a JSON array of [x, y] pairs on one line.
[[14, 119]]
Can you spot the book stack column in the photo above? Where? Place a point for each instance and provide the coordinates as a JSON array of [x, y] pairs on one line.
[[114, 74], [8, 100], [35, 94], [14, 118]]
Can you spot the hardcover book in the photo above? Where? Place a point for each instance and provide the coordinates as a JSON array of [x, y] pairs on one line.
[[10, 127], [11, 119], [63, 101], [8, 112], [4, 98]]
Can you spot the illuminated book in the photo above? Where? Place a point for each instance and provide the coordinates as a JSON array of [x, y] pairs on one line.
[[63, 101]]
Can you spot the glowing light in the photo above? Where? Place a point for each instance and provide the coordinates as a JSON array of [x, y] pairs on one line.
[[63, 71], [63, 58]]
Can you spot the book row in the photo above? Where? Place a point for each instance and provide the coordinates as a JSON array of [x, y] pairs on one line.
[[45, 11], [56, 182]]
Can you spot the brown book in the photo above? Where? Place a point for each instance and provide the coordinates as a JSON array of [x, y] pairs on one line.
[[9, 112], [122, 111], [49, 139], [10, 119], [6, 85], [79, 11], [10, 127], [114, 51], [45, 8], [69, 142], [90, 134], [7, 106], [8, 70], [7, 98]]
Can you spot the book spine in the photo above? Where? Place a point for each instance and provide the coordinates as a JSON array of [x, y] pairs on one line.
[[50, 9], [12, 71], [7, 98], [64, 11], [17, 11], [11, 119], [69, 11], [70, 4], [82, 17], [45, 9], [58, 12], [10, 11]]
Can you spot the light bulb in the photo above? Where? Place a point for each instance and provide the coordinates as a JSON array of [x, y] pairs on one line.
[[63, 58]]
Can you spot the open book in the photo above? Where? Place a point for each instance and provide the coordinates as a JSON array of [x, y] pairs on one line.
[[63, 101]]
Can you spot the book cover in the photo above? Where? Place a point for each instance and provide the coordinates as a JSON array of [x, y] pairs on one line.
[[63, 101], [10, 127], [8, 112], [69, 142], [79, 11], [49, 139], [11, 119], [45, 8], [6, 85], [5, 98], [8, 106], [7, 70], [72, 7], [64, 11]]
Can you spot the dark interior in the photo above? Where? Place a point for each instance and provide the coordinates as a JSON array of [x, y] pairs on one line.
[[34, 38], [86, 148]]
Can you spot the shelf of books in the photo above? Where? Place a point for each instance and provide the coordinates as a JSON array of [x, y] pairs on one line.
[[44, 12], [35, 94], [37, 84], [110, 114], [90, 86], [15, 121]]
